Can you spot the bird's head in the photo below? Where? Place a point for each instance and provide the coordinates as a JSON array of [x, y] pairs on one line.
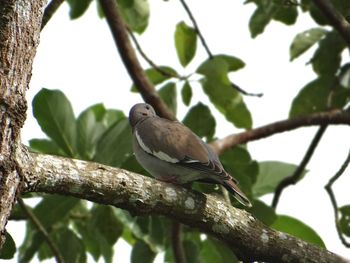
[[140, 112]]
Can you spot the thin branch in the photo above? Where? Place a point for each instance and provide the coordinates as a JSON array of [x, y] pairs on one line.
[[335, 18], [55, 251], [329, 190], [239, 89], [50, 10], [249, 239], [127, 53], [320, 118], [292, 179], [150, 62], [206, 47], [196, 28], [176, 243]]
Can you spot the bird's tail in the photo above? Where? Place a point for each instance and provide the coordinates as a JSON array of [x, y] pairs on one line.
[[232, 187]]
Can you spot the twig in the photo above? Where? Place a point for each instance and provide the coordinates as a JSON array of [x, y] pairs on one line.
[[329, 190], [196, 28], [320, 118], [239, 89], [292, 179], [206, 47], [127, 53], [55, 251], [176, 242], [50, 9], [335, 18], [150, 62]]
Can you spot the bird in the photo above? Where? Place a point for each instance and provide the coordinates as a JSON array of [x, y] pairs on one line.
[[171, 152]]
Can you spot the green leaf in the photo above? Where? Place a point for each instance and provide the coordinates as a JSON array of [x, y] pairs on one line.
[[114, 146], [303, 41], [135, 14], [271, 173], [345, 220], [157, 230], [88, 131], [313, 97], [141, 252], [105, 221], [327, 57], [226, 254], [100, 232], [55, 116], [298, 229], [156, 77], [70, 245], [90, 236], [59, 207], [185, 43], [191, 250], [45, 146], [208, 253], [200, 120], [78, 7], [169, 96], [263, 212], [268, 10], [215, 69], [233, 63], [137, 226], [259, 20], [30, 245], [112, 116], [186, 93], [222, 93], [286, 14], [239, 164], [9, 248], [229, 102]]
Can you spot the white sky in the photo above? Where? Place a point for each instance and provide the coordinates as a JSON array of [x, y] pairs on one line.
[[79, 57]]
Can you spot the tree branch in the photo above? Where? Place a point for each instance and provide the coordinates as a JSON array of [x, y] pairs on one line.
[[320, 118], [329, 190], [127, 53], [247, 237], [335, 18], [19, 36], [55, 251], [292, 179], [176, 242], [50, 10]]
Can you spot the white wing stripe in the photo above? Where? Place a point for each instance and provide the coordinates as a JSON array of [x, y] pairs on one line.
[[160, 155], [165, 157], [143, 146]]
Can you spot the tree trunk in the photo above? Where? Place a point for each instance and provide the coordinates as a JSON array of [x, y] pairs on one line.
[[19, 36]]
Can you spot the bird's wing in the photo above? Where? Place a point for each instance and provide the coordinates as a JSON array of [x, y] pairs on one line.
[[175, 143]]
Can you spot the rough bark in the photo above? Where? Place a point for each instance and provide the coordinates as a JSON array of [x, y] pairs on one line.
[[249, 238], [19, 35]]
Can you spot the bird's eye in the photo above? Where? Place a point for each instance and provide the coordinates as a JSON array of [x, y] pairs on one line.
[[147, 107], [144, 114]]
